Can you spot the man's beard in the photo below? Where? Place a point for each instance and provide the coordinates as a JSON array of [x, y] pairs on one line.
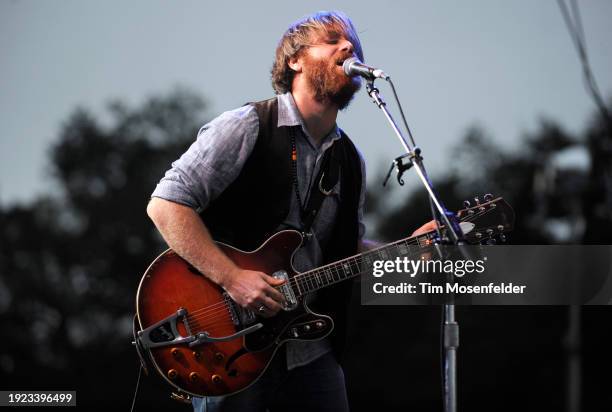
[[330, 84]]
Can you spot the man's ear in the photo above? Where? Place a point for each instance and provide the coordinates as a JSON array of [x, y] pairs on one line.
[[295, 63]]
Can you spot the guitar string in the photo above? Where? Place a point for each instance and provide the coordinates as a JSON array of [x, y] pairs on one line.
[[304, 277], [310, 276], [217, 322], [307, 278], [213, 312], [214, 309]]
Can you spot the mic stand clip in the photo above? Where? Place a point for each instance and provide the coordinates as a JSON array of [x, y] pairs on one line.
[[401, 166]]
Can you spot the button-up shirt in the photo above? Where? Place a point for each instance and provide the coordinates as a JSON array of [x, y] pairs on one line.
[[215, 160]]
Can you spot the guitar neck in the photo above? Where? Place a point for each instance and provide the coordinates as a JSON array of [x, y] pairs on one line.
[[332, 273], [479, 224]]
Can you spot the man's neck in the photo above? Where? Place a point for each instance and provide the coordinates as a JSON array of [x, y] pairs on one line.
[[319, 118]]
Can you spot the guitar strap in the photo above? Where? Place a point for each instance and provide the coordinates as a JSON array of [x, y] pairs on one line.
[[322, 187]]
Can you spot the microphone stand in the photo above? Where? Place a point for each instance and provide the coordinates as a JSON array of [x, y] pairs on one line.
[[450, 326]]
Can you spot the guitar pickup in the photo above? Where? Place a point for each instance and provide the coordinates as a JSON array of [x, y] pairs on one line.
[[291, 301], [239, 316]]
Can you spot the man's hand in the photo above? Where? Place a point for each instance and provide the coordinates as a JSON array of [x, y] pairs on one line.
[[427, 227], [185, 232], [254, 290]]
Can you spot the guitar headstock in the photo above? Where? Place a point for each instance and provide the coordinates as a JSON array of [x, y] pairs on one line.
[[487, 221]]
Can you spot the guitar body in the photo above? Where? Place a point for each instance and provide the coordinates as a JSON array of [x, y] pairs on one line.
[[204, 344], [213, 368]]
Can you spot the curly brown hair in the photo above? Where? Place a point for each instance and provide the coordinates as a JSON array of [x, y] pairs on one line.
[[299, 35]]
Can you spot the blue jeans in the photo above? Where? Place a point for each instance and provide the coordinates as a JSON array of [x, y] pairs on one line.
[[317, 386]]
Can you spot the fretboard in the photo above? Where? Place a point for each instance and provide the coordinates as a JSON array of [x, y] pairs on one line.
[[330, 274]]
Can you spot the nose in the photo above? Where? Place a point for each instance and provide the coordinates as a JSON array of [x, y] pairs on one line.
[[346, 46]]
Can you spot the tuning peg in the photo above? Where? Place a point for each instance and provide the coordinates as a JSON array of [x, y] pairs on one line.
[[477, 200], [466, 204], [488, 197]]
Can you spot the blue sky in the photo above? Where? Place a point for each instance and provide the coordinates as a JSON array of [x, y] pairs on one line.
[[499, 64]]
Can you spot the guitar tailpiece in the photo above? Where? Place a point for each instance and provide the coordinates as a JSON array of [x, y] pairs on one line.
[[165, 333]]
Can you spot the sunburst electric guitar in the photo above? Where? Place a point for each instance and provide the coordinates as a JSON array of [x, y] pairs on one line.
[[204, 344]]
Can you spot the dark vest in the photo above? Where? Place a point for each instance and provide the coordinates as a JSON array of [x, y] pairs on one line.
[[258, 201]]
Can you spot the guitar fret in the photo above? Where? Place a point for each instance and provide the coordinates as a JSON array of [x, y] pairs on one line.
[[318, 279], [336, 273], [423, 241], [349, 267], [330, 277], [311, 282], [355, 265], [321, 274], [398, 249], [306, 283], [345, 268], [358, 264]]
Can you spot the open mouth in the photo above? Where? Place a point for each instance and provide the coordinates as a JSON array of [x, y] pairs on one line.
[[341, 60]]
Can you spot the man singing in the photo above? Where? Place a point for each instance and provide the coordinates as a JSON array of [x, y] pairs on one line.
[[256, 170]]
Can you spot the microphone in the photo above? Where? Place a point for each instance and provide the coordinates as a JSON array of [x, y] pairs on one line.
[[353, 67]]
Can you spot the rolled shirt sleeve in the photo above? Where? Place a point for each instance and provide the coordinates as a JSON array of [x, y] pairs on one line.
[[213, 161]]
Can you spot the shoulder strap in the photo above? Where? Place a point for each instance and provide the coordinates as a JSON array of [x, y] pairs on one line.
[[325, 181]]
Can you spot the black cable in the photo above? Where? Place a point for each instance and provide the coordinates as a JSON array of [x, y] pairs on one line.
[[136, 389], [576, 32], [578, 22], [401, 111]]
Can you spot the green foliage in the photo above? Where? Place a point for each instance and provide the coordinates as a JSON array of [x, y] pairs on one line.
[[553, 202], [71, 263]]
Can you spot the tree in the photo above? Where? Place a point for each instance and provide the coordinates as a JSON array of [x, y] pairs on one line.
[[71, 262]]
